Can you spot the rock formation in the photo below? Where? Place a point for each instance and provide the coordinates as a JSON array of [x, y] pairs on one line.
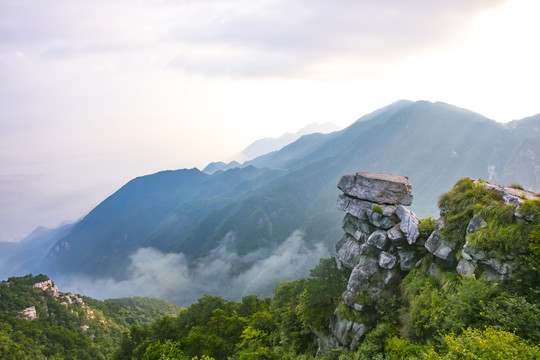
[[378, 247], [494, 266], [47, 286], [28, 313]]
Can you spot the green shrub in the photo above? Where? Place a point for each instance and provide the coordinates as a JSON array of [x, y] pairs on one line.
[[425, 227], [486, 344]]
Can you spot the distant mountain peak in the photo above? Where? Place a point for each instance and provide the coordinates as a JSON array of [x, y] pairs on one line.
[[267, 145]]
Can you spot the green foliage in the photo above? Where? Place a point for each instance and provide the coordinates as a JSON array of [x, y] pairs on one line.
[[377, 209], [374, 342], [516, 186], [501, 234], [400, 349], [292, 335], [425, 227], [322, 294], [460, 204], [60, 330], [134, 311], [486, 344]]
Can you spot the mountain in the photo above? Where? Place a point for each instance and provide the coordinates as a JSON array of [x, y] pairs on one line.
[[268, 145], [27, 255], [219, 228], [220, 165]]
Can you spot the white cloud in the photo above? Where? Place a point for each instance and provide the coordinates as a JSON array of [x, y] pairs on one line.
[[170, 277]]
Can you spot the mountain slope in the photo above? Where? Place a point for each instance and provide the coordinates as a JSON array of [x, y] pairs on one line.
[[37, 321]]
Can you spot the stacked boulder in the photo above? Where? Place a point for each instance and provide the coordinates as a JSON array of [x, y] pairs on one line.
[[378, 247]]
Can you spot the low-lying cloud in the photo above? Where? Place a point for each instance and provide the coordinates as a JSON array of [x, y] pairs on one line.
[[222, 272]]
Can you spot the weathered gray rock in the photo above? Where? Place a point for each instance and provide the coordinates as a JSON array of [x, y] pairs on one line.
[[347, 332], [360, 209], [396, 237], [465, 267], [440, 247], [378, 219], [355, 207], [325, 342], [388, 276], [358, 281], [361, 274], [476, 223], [407, 259], [340, 328], [378, 188], [358, 331], [502, 267], [470, 253], [378, 238], [358, 229], [387, 260], [348, 252], [409, 224], [348, 298], [368, 264], [369, 250]]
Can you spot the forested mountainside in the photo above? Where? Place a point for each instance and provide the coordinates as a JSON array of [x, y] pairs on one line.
[[255, 208], [37, 321], [438, 308]]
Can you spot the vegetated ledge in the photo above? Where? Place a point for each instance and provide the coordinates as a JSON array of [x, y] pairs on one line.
[[484, 231]]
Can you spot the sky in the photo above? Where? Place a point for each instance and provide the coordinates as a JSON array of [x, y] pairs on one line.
[[95, 93]]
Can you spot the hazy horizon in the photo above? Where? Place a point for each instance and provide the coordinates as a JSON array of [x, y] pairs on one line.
[[93, 94]]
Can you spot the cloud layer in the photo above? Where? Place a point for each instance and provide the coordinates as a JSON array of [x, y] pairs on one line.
[[223, 272]]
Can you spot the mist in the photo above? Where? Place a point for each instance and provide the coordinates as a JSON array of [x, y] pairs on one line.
[[171, 277]]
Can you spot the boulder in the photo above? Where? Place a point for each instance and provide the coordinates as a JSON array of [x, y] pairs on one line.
[[440, 247], [358, 331], [409, 224], [407, 259], [380, 220], [29, 313], [348, 252], [360, 208], [396, 237], [358, 229], [465, 267], [476, 223], [378, 239], [387, 260], [377, 188]]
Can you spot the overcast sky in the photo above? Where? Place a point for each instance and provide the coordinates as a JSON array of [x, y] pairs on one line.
[[94, 93]]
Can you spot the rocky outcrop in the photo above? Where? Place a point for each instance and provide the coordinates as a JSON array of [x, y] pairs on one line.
[[378, 247], [28, 313], [492, 265], [47, 286], [377, 188]]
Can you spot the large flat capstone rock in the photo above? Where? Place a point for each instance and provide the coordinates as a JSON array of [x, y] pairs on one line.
[[377, 188]]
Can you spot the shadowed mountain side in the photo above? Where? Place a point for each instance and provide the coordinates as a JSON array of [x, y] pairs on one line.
[[28, 255]]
